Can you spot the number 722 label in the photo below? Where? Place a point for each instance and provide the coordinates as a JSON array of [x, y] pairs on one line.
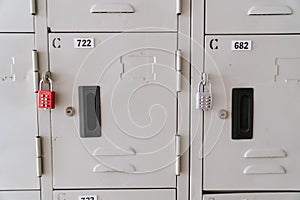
[[88, 197], [84, 43], [241, 45]]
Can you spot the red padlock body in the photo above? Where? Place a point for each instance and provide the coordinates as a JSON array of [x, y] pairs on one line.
[[46, 99]]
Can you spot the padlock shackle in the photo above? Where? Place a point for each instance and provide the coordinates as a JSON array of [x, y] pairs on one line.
[[50, 84]]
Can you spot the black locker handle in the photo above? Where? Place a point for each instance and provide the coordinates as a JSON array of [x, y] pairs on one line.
[[242, 113], [89, 111]]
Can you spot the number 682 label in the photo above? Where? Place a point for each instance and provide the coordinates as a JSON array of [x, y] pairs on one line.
[[241, 45]]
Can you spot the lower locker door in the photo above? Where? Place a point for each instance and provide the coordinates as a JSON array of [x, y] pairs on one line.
[[20, 195], [123, 94], [115, 195], [18, 113], [253, 196], [256, 146]]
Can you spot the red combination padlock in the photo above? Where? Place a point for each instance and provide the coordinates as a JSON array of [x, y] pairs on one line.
[[46, 97]]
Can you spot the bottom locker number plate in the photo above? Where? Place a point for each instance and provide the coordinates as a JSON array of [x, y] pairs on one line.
[[88, 197]]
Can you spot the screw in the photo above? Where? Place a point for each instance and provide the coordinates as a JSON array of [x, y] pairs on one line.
[[223, 114], [70, 111]]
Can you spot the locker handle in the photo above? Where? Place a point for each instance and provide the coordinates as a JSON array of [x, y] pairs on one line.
[[89, 111], [270, 10], [242, 113], [112, 8]]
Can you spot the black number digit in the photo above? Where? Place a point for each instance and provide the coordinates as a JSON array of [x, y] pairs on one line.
[[89, 44], [84, 45], [246, 45], [241, 45], [82, 198], [92, 198], [236, 45], [78, 45]]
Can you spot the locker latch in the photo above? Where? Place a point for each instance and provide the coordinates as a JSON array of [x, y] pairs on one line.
[[204, 94]]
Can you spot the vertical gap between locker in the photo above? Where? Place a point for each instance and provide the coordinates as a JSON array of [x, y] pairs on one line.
[[203, 116]]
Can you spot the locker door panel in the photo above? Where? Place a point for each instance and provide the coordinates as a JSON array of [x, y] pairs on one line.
[[20, 195], [268, 159], [252, 196], [117, 194], [15, 16], [18, 113], [105, 15], [133, 145], [253, 16]]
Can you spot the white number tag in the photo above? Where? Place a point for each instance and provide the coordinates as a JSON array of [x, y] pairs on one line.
[[88, 197], [241, 45], [84, 43]]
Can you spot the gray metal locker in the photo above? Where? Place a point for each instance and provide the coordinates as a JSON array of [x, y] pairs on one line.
[[256, 145], [18, 113], [252, 196], [106, 15], [19, 195], [115, 195], [252, 16], [16, 15], [123, 92]]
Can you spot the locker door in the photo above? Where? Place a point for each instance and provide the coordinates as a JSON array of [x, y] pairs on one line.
[[256, 146], [20, 195], [123, 93], [116, 194], [252, 196], [106, 15], [15, 16], [18, 113], [252, 16]]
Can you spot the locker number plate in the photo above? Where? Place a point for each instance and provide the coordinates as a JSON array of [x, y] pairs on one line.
[[88, 197], [84, 43], [241, 45]]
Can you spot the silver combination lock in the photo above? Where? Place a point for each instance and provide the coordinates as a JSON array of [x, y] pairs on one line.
[[204, 94]]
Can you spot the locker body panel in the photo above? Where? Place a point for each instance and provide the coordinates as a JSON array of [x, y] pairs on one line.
[[252, 196], [106, 15], [268, 160], [20, 195], [15, 16], [137, 80], [117, 194], [280, 16], [18, 113]]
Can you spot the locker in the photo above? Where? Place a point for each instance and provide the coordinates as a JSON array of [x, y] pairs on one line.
[[106, 15], [122, 95], [16, 15], [252, 16], [20, 195], [158, 194], [18, 113], [251, 134], [252, 196]]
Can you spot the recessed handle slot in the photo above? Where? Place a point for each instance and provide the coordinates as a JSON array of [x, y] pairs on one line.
[[270, 10], [112, 8], [242, 113], [89, 111]]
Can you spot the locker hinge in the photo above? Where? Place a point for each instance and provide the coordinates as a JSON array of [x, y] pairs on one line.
[[32, 7], [35, 69], [177, 156], [38, 156], [178, 7], [178, 70]]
